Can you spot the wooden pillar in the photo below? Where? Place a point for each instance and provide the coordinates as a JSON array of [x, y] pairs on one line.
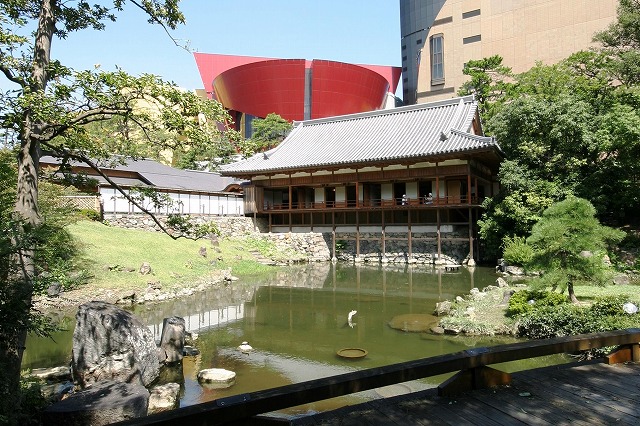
[[333, 243], [333, 226], [409, 231], [470, 233], [438, 232], [468, 183], [357, 234], [384, 252], [270, 223]]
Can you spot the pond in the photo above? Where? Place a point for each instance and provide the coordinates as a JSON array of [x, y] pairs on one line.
[[296, 319]]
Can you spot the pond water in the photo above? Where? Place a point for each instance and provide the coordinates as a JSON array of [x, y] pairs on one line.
[[296, 319]]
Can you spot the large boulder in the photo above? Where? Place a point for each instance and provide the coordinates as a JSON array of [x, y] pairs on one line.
[[110, 343], [100, 404]]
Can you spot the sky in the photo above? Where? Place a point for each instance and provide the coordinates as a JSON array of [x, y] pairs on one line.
[[352, 31]]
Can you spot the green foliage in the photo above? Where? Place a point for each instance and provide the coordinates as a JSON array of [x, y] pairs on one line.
[[270, 131], [525, 301], [517, 251], [184, 225], [622, 42], [487, 82], [605, 314], [90, 214], [568, 128], [569, 245]]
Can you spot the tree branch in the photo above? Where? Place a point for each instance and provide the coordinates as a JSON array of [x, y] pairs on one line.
[[98, 169], [7, 73], [155, 19]]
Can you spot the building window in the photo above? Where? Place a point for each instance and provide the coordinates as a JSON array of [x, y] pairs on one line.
[[404, 47], [437, 59], [404, 69], [471, 14], [419, 41], [404, 59], [472, 39]]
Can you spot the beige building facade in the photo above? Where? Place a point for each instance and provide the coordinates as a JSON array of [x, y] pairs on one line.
[[521, 31]]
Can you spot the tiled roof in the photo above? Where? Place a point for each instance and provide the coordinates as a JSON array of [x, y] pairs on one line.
[[154, 174], [411, 132]]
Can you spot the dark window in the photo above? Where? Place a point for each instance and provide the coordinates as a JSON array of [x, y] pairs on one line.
[[471, 14], [404, 69], [404, 47], [419, 41], [404, 58], [472, 39], [437, 58]]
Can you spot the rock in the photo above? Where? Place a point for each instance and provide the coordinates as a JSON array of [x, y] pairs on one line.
[[217, 378], [172, 339], [621, 279], [53, 374], [514, 270], [164, 398], [102, 403], [443, 308], [501, 282], [145, 269], [190, 351], [54, 289], [437, 330], [412, 322], [203, 251], [506, 296], [54, 392], [110, 343]]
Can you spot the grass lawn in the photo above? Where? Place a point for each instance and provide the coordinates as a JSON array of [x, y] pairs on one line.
[[114, 256]]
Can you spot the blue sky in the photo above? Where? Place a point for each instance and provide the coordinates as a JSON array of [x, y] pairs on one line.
[[354, 31]]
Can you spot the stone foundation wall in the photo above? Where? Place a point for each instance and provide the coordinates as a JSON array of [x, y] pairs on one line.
[[396, 249], [317, 246], [228, 225]]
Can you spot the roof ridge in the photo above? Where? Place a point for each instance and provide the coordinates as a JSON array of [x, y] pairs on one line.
[[388, 111]]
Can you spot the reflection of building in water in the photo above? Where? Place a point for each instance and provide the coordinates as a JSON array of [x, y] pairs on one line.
[[204, 320]]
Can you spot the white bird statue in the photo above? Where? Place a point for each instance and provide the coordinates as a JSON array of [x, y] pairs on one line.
[[350, 318], [245, 348]]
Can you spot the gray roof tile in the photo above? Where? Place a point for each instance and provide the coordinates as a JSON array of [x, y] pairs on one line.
[[412, 132], [155, 174]]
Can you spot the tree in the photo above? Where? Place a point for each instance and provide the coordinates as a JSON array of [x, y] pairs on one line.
[[569, 245], [621, 41], [489, 82], [50, 106], [269, 131]]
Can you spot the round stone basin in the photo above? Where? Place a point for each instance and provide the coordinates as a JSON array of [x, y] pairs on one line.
[[352, 353], [417, 323]]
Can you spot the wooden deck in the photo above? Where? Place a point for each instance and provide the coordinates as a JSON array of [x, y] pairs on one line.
[[591, 393]]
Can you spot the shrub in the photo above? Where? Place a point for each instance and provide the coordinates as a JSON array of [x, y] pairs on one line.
[[520, 303], [90, 214], [516, 251], [606, 314]]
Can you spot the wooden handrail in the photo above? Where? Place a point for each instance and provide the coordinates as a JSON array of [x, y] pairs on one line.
[[237, 407]]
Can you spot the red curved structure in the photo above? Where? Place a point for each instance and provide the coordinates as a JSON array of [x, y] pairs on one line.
[[295, 89]]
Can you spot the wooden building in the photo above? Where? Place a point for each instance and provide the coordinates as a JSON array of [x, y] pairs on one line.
[[415, 173]]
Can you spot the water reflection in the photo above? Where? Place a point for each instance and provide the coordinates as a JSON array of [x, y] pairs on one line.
[[296, 319]]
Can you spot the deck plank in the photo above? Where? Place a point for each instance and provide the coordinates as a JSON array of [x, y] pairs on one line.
[[574, 394]]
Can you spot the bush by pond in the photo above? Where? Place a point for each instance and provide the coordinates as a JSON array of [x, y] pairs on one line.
[[565, 319]]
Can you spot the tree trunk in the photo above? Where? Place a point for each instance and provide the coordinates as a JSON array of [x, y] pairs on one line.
[[572, 294], [19, 291]]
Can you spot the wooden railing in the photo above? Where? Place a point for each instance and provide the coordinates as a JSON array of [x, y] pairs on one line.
[[470, 364], [374, 204]]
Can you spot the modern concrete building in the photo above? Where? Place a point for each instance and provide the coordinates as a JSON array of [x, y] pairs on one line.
[[440, 36]]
